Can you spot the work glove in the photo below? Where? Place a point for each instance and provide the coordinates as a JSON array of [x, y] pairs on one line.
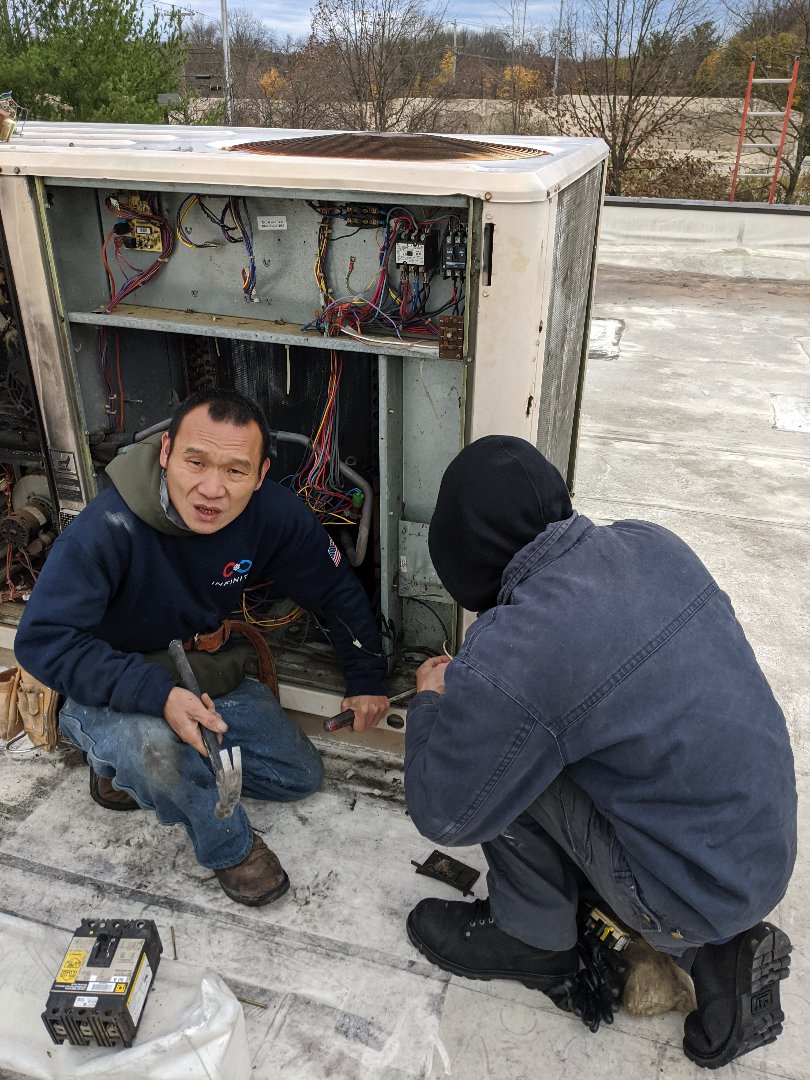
[[597, 992]]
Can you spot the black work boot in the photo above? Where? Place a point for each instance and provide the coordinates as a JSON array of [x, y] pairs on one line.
[[257, 879], [463, 938], [737, 991], [111, 798]]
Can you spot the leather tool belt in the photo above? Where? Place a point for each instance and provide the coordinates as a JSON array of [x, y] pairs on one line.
[[213, 642]]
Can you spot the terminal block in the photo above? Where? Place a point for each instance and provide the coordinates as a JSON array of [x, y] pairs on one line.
[[451, 337], [361, 216]]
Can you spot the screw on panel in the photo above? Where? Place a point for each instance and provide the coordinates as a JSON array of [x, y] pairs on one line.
[[487, 196]]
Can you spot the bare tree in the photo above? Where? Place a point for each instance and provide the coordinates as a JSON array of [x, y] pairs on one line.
[[621, 60], [254, 51], [387, 74], [306, 96], [522, 80]]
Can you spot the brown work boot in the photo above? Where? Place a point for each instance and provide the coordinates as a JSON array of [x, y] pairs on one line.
[[103, 792], [258, 879]]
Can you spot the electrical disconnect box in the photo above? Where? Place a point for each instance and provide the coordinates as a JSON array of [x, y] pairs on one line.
[[385, 299]]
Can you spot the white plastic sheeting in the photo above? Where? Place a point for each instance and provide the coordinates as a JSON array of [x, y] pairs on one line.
[[192, 1026]]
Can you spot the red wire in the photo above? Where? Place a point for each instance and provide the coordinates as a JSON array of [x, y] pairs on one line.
[[110, 274], [120, 384]]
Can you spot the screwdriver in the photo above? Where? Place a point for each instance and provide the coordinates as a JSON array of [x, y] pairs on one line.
[[343, 719]]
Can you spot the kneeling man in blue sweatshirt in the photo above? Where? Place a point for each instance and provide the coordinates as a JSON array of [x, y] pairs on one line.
[[189, 522], [604, 731]]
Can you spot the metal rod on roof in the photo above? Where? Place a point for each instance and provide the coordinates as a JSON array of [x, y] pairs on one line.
[[226, 57]]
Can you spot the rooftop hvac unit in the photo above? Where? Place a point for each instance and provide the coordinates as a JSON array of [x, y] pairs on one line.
[[441, 284]]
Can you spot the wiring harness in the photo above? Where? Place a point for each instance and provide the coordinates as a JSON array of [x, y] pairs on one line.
[[234, 223], [319, 482], [318, 479], [137, 210], [395, 302], [139, 227]]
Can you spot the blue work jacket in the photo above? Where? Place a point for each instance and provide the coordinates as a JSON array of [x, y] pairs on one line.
[[613, 654]]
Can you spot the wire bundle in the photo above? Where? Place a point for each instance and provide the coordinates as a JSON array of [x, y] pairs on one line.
[[245, 228], [318, 480], [134, 277], [184, 210], [384, 306], [114, 400], [239, 230], [254, 603]]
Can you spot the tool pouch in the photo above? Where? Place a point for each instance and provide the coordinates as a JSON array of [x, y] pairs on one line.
[[37, 708], [10, 722], [219, 663]]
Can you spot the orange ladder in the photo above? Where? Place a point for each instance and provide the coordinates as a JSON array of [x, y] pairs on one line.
[[748, 113]]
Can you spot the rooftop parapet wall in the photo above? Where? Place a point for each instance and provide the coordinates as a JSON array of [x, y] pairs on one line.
[[716, 238]]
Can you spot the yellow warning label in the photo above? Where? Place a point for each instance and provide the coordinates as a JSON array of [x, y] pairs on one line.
[[71, 965], [135, 980], [120, 988]]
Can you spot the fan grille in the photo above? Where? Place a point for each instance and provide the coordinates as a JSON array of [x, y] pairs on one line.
[[389, 147]]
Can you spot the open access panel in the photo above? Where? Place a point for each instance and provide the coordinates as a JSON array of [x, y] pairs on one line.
[[384, 298]]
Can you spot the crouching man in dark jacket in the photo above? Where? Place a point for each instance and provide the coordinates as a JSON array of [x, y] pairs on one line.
[[604, 725]]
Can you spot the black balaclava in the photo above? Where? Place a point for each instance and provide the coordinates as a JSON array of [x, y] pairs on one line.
[[495, 497]]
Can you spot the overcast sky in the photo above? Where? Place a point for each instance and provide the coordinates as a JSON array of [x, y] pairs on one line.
[[292, 16]]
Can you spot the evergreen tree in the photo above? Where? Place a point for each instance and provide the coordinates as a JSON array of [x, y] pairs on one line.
[[89, 60]]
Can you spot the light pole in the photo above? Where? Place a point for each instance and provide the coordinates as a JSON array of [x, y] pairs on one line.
[[556, 51], [226, 57]]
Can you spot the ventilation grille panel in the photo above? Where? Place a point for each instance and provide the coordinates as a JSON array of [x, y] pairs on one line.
[[577, 213], [384, 146]]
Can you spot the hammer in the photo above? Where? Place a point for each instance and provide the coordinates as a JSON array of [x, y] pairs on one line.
[[227, 773]]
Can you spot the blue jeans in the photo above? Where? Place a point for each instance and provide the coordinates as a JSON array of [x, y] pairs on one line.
[[143, 756]]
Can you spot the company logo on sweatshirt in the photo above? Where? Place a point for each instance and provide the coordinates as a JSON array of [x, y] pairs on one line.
[[240, 567], [234, 572]]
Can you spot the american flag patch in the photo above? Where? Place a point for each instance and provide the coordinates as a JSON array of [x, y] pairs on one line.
[[334, 553]]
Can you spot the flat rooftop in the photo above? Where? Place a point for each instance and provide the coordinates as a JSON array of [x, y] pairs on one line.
[[696, 415]]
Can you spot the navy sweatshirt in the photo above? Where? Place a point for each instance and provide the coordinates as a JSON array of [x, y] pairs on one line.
[[114, 587], [612, 654]]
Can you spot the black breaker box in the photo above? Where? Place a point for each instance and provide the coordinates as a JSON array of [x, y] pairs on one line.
[[98, 995]]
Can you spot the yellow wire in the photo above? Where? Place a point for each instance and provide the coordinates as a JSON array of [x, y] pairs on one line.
[[181, 219], [269, 624]]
